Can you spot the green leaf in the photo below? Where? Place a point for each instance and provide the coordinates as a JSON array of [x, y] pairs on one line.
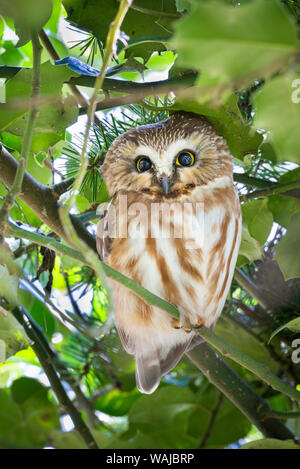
[[9, 286], [24, 388], [12, 335], [40, 142], [53, 22], [138, 441], [259, 219], [283, 208], [39, 312], [53, 117], [117, 403], [278, 116], [239, 337], [227, 119], [81, 203], [10, 55], [169, 407], [229, 425], [10, 416], [287, 251], [240, 42], [39, 414], [99, 304], [67, 440], [270, 443], [145, 49], [250, 248], [293, 325], [136, 24], [28, 16]]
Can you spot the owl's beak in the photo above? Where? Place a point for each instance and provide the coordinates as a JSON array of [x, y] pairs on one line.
[[165, 183]]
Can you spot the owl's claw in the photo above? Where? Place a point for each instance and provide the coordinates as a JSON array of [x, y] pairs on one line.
[[176, 324]]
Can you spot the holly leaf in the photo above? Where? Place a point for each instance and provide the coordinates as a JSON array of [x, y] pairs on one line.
[[250, 248], [241, 138], [287, 251], [277, 116], [283, 208], [9, 286], [270, 443], [54, 116], [235, 42], [137, 24], [145, 49], [259, 219], [28, 16], [293, 325]]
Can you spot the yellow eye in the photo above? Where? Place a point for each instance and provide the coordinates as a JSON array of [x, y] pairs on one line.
[[143, 164], [185, 158]]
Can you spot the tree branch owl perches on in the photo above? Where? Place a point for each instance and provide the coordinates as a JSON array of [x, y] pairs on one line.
[[179, 166]]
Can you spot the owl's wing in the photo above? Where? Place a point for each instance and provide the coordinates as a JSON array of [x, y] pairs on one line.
[[150, 367]]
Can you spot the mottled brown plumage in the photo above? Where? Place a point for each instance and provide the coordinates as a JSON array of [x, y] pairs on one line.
[[148, 233]]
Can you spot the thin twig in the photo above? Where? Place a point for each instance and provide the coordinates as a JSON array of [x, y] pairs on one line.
[[284, 415], [212, 420]]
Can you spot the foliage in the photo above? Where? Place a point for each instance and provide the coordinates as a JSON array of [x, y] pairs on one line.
[[237, 63]]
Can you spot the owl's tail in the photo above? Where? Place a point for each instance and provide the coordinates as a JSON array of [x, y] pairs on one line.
[[152, 366]]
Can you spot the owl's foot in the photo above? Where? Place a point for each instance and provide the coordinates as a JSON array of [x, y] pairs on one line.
[[176, 324]]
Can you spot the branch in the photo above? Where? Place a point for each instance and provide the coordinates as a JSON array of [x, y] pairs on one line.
[[250, 287], [271, 190], [226, 349], [40, 348], [41, 199], [251, 181], [184, 78], [239, 392], [62, 249]]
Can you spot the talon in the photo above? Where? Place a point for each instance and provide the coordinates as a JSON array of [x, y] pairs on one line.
[[176, 324]]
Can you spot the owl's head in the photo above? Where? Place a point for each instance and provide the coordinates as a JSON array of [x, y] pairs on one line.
[[167, 158]]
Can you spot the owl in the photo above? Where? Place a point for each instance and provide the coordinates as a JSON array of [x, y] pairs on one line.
[[173, 224]]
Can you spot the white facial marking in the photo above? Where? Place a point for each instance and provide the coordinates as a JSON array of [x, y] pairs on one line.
[[164, 160]]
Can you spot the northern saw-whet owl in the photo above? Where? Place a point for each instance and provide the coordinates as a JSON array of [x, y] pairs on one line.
[[181, 169]]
